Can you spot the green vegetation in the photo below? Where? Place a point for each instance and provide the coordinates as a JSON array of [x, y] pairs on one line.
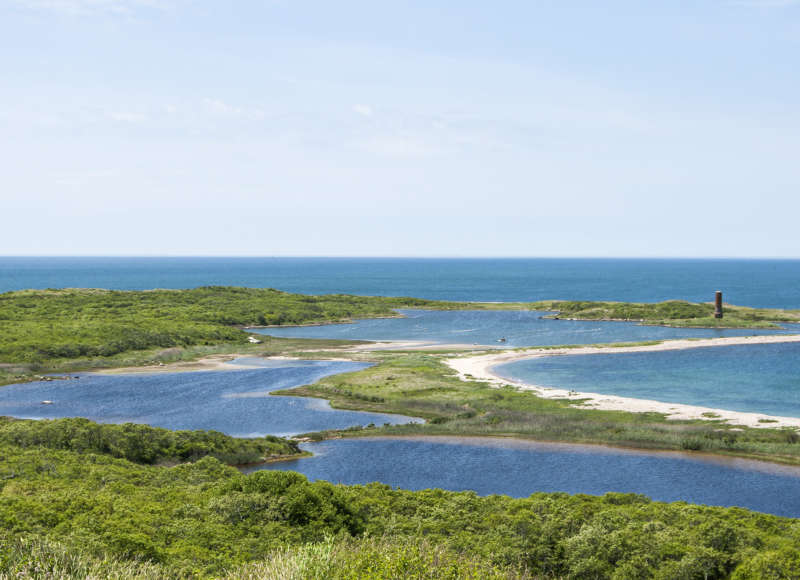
[[45, 327], [45, 331], [421, 385], [73, 512], [37, 326], [670, 313], [79, 499], [142, 443]]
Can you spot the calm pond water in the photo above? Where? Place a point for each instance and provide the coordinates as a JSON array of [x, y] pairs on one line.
[[519, 468], [520, 328], [236, 402], [760, 378]]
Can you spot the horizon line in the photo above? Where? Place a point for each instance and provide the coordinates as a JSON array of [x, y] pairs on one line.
[[392, 257]]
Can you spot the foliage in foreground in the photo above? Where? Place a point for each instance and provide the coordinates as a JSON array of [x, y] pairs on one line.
[[343, 558], [69, 513]]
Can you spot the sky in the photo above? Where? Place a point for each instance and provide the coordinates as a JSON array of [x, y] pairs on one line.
[[430, 128]]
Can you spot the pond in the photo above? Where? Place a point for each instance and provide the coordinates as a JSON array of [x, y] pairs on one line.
[[236, 402], [487, 327], [519, 468]]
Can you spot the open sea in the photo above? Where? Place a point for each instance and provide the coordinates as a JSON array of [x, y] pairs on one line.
[[764, 283]]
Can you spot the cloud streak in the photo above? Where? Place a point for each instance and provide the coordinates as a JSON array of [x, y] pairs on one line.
[[88, 7], [765, 3], [365, 110]]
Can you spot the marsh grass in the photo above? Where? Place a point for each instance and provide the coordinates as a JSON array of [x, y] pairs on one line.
[[38, 558], [351, 559]]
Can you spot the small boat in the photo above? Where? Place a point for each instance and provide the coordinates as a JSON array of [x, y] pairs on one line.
[[501, 339], [46, 402]]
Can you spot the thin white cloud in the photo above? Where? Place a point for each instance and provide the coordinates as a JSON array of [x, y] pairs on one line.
[[365, 110], [765, 3], [127, 117], [86, 7], [219, 107]]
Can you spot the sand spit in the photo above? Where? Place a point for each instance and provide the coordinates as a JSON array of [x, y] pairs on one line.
[[416, 345], [480, 368], [215, 362]]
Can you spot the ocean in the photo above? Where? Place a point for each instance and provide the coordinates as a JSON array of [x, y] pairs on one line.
[[761, 283]]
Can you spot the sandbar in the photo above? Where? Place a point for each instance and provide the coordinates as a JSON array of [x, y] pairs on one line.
[[479, 368]]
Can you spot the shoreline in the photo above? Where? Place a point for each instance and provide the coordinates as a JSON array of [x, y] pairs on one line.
[[214, 362], [480, 368]]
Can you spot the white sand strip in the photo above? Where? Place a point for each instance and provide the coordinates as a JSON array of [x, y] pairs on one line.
[[480, 368], [214, 362]]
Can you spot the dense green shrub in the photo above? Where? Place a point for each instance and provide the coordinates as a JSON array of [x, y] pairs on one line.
[[39, 325], [82, 511], [141, 443]]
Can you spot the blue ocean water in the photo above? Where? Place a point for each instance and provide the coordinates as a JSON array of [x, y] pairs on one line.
[[759, 378], [764, 283], [519, 468], [519, 328], [234, 402]]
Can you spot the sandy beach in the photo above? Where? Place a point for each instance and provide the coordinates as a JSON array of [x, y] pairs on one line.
[[215, 362], [417, 345], [480, 368]]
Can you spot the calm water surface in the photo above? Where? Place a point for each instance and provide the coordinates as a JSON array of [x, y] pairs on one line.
[[765, 283], [234, 402], [759, 378], [520, 328], [519, 468]]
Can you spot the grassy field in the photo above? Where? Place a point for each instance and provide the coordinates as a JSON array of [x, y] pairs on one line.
[[420, 384], [72, 511]]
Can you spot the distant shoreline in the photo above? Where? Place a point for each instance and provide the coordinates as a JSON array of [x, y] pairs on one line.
[[481, 368]]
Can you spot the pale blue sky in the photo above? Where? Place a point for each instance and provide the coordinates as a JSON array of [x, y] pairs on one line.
[[560, 128]]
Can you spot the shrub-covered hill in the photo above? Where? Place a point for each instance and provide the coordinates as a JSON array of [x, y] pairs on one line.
[[141, 443], [40, 325], [73, 509]]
